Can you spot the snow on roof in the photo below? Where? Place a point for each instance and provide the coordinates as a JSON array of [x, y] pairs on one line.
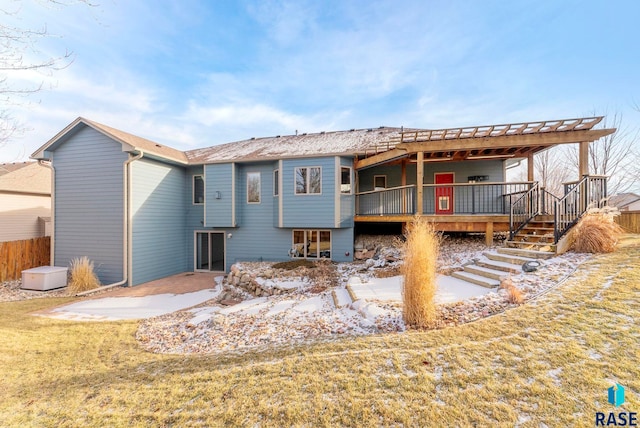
[[302, 145]]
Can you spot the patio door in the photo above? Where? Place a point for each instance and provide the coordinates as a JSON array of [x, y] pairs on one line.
[[444, 194], [209, 251]]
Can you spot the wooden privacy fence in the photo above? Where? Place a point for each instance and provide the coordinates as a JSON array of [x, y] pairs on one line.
[[16, 256], [629, 221]]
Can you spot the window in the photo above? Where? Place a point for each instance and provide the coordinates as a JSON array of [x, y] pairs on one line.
[[379, 182], [345, 180], [308, 181], [443, 203], [311, 244], [253, 187], [276, 182], [198, 190]]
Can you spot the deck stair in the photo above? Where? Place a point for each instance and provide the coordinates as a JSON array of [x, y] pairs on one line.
[[537, 235]]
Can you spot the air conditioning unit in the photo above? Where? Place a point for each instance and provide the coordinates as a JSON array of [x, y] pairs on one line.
[[44, 278]]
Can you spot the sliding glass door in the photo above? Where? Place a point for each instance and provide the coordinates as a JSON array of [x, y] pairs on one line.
[[209, 251]]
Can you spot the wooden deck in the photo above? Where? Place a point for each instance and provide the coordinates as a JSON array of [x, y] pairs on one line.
[[487, 224]]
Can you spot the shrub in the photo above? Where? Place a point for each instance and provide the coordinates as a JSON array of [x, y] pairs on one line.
[[294, 264], [596, 232], [514, 295], [419, 270], [323, 276], [82, 276]]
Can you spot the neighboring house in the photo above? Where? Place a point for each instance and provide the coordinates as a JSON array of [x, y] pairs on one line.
[[625, 202], [25, 201], [141, 210]]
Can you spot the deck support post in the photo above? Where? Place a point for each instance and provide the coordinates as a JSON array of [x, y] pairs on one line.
[[530, 167], [488, 234], [583, 159], [403, 182], [419, 183]]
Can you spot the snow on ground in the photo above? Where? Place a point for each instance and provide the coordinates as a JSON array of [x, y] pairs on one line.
[[306, 316], [449, 289], [127, 308], [219, 322]]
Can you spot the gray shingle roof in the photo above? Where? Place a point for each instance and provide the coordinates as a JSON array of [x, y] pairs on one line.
[[31, 178], [623, 199], [290, 146]]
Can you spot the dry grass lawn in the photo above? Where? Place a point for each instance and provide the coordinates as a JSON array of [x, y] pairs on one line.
[[548, 361]]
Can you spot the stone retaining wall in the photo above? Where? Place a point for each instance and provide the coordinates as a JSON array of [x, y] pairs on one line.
[[246, 281]]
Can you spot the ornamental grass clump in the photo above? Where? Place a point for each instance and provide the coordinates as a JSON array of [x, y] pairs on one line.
[[514, 294], [419, 270], [83, 278], [596, 232]]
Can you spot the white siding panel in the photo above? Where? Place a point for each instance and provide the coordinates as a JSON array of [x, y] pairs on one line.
[[19, 216]]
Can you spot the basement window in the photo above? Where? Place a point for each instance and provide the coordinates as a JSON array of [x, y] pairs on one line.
[[311, 244]]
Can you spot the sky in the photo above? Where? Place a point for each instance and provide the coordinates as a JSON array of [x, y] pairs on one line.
[[192, 74]]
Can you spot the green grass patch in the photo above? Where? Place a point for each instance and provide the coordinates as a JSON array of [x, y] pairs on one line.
[[548, 361]]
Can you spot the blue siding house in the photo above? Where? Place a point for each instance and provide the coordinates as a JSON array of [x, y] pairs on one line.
[[142, 211]]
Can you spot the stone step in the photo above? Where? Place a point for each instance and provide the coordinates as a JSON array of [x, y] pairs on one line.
[[531, 254], [476, 279], [486, 272], [341, 297], [507, 258], [505, 267]]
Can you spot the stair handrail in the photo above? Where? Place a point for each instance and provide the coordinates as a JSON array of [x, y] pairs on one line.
[[568, 209], [529, 204], [547, 201]]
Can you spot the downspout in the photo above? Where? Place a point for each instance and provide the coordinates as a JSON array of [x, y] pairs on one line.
[[49, 165], [128, 229]]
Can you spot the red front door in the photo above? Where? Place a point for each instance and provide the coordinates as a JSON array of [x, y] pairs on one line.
[[444, 194]]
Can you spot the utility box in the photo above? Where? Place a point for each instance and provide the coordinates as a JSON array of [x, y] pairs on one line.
[[44, 278]]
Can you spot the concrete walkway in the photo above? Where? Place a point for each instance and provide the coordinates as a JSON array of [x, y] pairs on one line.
[[147, 300]]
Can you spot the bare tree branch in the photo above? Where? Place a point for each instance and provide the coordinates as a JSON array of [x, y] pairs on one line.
[[17, 45], [615, 155]]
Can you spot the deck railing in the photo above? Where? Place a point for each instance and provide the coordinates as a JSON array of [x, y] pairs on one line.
[[392, 201], [590, 192], [463, 199], [474, 198]]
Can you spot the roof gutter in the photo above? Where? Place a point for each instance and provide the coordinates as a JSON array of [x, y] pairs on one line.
[[515, 165], [52, 247]]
